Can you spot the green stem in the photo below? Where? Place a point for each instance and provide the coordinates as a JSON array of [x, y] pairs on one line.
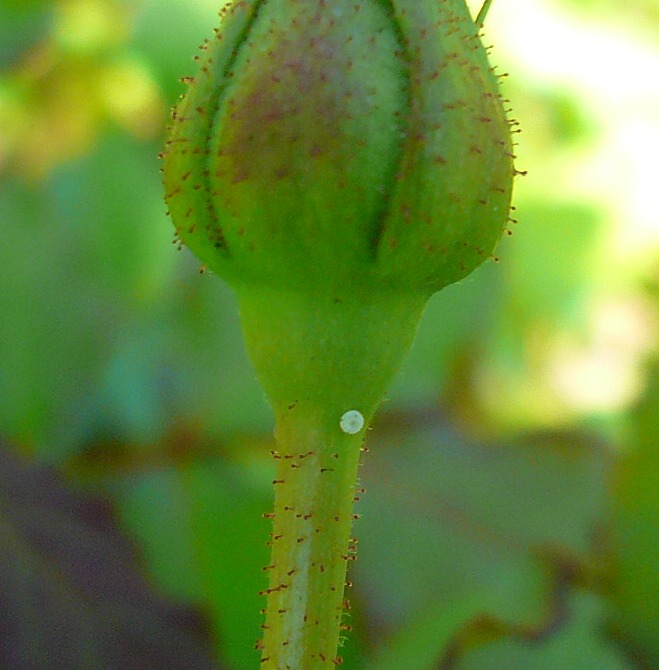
[[311, 548], [480, 19], [321, 356]]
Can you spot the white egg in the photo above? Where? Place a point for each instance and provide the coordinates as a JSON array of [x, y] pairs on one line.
[[352, 422]]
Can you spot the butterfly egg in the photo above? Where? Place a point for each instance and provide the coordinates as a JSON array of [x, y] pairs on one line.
[[352, 422]]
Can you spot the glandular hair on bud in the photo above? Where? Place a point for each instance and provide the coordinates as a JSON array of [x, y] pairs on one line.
[[328, 144]]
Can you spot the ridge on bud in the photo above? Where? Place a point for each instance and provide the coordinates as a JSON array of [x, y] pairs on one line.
[[345, 143]]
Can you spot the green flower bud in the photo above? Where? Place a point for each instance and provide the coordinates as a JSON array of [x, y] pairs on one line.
[[327, 144], [336, 161]]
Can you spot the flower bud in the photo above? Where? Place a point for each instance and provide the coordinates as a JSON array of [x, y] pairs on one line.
[[328, 144], [336, 161]]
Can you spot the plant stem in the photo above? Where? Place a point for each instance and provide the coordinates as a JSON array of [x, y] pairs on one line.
[[480, 19], [319, 357], [311, 547]]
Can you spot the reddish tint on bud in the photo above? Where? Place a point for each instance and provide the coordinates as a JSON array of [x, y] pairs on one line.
[[335, 143]]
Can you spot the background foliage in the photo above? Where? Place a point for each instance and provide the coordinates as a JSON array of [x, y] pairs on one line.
[[511, 507]]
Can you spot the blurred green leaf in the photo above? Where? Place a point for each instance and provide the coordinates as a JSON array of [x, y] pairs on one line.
[[550, 282], [468, 527], [578, 644], [635, 532], [23, 23], [204, 538], [453, 322], [422, 643], [79, 257], [168, 33], [49, 346]]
